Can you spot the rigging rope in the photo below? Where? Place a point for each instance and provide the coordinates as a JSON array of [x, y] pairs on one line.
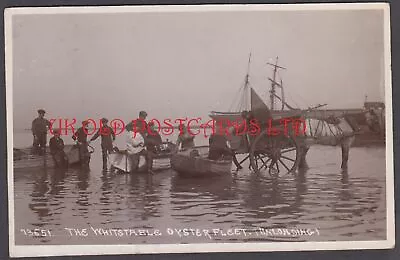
[[282, 99], [243, 90], [293, 101], [235, 99]]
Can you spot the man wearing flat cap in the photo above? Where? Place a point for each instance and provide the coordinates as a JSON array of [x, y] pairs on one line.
[[80, 136], [107, 138], [138, 125], [40, 125], [56, 145]]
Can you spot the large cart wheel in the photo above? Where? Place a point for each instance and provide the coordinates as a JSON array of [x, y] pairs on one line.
[[276, 154]]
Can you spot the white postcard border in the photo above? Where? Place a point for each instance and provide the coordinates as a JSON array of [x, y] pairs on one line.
[[53, 250]]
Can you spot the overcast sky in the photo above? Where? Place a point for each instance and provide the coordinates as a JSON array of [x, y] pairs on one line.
[[187, 64]]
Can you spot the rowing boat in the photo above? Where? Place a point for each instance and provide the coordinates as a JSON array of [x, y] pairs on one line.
[[194, 162], [162, 160], [25, 158]]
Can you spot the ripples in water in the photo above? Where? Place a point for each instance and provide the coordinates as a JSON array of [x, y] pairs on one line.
[[342, 205]]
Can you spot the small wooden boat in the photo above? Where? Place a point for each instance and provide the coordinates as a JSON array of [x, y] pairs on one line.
[[194, 162], [162, 160], [25, 158]]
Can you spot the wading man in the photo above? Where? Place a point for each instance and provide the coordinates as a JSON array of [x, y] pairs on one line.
[[40, 125], [80, 137], [220, 148], [134, 147], [107, 139], [56, 145], [139, 124], [152, 143], [185, 139]]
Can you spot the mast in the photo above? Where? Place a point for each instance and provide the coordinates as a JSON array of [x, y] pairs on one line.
[[272, 95], [282, 96], [243, 101], [246, 84], [272, 91]]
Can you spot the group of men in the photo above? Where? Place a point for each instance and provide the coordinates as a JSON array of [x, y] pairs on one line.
[[40, 126], [136, 143], [141, 140]]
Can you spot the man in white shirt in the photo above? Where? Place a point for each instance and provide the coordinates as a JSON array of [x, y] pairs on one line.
[[134, 147]]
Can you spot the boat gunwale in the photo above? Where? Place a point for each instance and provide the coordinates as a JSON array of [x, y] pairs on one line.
[[223, 166]]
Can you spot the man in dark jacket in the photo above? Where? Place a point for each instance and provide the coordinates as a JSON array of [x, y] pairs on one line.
[[152, 141], [56, 145], [80, 136], [139, 124], [107, 138], [219, 147], [39, 128], [185, 139], [153, 138]]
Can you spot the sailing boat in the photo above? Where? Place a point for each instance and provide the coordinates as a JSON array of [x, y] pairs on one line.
[[259, 108]]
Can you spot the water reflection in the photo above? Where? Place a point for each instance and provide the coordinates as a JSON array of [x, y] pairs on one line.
[[301, 188], [48, 192], [206, 199], [57, 182], [83, 179], [82, 184], [218, 188], [39, 201], [266, 198], [343, 205], [345, 177], [345, 190], [145, 195]]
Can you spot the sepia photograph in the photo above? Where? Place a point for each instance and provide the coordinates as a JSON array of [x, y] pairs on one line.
[[212, 128]]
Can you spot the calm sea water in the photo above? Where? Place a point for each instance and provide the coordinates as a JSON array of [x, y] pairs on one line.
[[96, 207]]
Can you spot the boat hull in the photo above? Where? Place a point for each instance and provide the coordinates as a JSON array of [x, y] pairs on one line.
[[24, 158], [162, 160], [199, 166], [121, 162]]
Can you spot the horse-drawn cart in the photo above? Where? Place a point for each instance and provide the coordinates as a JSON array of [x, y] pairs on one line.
[[269, 143], [280, 139]]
